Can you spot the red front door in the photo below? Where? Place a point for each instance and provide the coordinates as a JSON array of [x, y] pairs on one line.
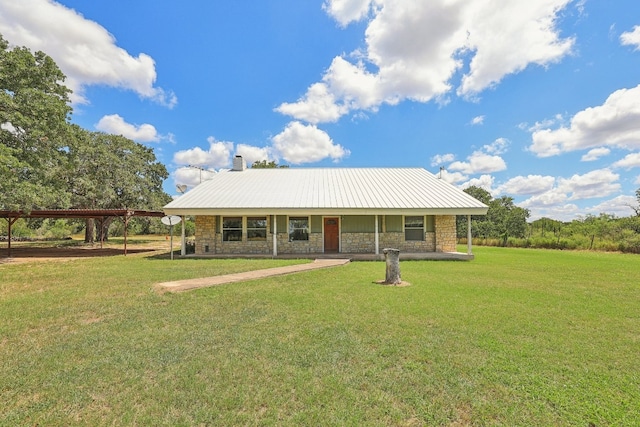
[[331, 233]]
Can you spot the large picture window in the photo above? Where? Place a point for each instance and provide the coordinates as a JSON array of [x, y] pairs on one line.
[[298, 228], [232, 229], [256, 228], [413, 228]]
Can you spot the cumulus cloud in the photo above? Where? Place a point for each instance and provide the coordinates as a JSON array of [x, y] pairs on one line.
[[527, 185], [485, 160], [616, 123], [299, 143], [116, 125], [417, 50], [452, 177], [192, 176], [483, 181], [597, 183], [440, 159], [595, 154], [619, 206], [629, 161], [217, 156], [254, 154], [556, 202], [84, 50], [631, 38], [347, 11]]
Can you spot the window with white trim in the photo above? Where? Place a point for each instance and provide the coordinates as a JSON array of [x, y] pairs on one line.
[[232, 229], [298, 228], [413, 228]]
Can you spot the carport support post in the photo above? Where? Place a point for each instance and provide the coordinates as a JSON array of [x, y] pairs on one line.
[[10, 222], [469, 235]]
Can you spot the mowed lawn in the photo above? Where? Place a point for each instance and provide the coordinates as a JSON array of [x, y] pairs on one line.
[[516, 337]]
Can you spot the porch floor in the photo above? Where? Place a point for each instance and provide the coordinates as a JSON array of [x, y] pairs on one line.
[[451, 256]]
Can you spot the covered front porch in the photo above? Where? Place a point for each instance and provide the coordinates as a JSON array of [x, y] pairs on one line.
[[444, 256]]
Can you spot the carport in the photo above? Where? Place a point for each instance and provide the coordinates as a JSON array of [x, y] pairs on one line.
[[99, 215]]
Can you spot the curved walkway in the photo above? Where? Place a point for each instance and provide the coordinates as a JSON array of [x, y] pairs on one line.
[[188, 284]]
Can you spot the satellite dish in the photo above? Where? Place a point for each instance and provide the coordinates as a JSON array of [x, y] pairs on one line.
[[181, 188], [171, 220]]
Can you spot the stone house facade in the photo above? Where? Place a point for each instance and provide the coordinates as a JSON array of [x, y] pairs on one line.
[[324, 211]]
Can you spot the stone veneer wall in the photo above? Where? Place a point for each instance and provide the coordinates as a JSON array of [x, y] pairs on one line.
[[443, 240], [358, 243], [205, 234], [313, 245], [446, 233]]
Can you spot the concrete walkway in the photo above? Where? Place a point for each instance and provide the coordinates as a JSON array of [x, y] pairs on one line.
[[185, 285]]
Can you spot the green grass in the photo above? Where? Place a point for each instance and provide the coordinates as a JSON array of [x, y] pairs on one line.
[[516, 337]]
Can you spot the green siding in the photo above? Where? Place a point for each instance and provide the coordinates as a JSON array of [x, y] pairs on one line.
[[316, 224], [394, 223], [283, 227], [358, 224], [430, 225]]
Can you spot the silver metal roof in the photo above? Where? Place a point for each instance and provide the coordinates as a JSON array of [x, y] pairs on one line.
[[329, 191]]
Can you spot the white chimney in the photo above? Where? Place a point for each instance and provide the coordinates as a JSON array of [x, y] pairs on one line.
[[239, 164]]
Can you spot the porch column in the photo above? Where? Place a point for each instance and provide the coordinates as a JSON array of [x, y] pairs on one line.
[[468, 234], [377, 237], [183, 245], [275, 235]]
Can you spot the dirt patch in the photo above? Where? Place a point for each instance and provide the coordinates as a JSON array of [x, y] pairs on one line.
[[24, 254]]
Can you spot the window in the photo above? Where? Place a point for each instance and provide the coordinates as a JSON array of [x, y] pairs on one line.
[[256, 228], [232, 229], [298, 228], [413, 228]]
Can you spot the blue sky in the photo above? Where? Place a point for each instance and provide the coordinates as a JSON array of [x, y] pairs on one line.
[[539, 100]]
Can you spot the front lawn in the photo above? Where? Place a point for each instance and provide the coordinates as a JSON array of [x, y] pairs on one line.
[[516, 337]]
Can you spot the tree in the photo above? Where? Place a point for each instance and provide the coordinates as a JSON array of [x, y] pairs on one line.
[[503, 220], [34, 109], [112, 172], [636, 209], [263, 164]]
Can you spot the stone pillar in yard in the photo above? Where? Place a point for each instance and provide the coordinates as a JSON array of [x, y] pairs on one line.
[[392, 257]]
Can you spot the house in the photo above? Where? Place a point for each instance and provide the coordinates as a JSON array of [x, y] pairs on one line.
[[325, 211]]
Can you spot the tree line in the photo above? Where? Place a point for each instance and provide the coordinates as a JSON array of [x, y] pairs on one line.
[[46, 162], [506, 225]]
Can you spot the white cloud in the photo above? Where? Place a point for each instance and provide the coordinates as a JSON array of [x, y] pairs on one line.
[[479, 162], [484, 181], [453, 177], [499, 146], [478, 120], [254, 154], [619, 206], [629, 161], [217, 156], [597, 183], [595, 154], [529, 185], [440, 159], [191, 176], [555, 202], [631, 38], [116, 125], [416, 50], [616, 123], [347, 11], [299, 143], [318, 105], [84, 50]]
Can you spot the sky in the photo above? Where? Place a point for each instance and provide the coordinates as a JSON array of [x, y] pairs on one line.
[[534, 100]]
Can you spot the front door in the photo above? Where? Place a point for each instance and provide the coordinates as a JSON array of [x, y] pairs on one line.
[[331, 233]]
